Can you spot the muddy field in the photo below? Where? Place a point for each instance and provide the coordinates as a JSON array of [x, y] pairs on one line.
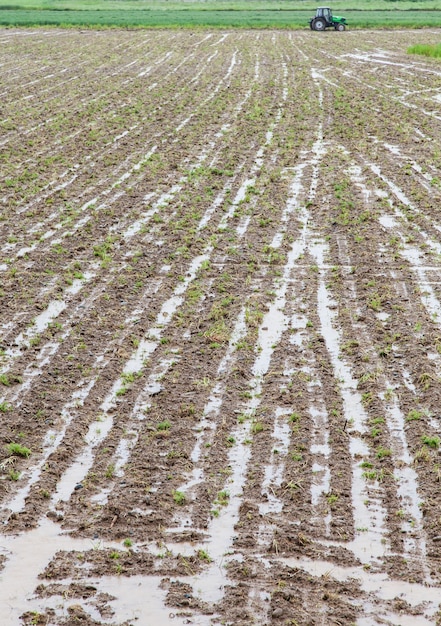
[[220, 300]]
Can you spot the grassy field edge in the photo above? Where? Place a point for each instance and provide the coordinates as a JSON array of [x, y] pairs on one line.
[[149, 18]]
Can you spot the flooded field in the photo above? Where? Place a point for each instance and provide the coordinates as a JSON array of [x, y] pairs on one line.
[[220, 328]]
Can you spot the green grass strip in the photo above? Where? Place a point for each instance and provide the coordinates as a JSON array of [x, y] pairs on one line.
[[426, 50], [211, 19], [339, 7]]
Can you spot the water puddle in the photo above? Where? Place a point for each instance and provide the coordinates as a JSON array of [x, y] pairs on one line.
[[213, 93], [221, 528], [133, 604], [214, 403], [321, 473], [99, 429], [53, 440], [42, 321], [388, 221], [291, 204], [369, 516], [379, 585], [274, 471], [382, 316], [28, 554], [407, 490]]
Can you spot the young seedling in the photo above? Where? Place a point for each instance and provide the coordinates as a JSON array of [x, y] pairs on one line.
[[370, 474], [414, 415], [332, 498], [13, 474], [223, 497], [432, 442], [231, 440], [204, 556], [383, 452], [179, 497], [17, 449]]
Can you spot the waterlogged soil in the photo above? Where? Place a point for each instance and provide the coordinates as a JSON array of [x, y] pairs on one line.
[[220, 334]]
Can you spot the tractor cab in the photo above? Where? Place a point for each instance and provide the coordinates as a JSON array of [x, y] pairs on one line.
[[326, 13], [324, 19]]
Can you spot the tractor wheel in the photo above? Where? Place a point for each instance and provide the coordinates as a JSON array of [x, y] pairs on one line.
[[319, 24], [340, 27]]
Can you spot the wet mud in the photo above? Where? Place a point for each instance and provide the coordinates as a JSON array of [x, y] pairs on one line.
[[220, 328]]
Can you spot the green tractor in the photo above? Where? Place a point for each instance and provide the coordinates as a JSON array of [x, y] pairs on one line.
[[324, 19]]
